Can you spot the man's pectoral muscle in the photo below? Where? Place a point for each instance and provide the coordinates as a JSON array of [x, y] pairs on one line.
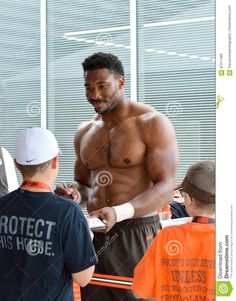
[[140, 158]]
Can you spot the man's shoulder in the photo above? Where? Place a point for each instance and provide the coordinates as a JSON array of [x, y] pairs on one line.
[[139, 109], [146, 114], [85, 125], [83, 128], [153, 124]]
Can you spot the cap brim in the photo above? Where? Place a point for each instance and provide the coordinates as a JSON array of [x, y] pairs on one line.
[[178, 186]]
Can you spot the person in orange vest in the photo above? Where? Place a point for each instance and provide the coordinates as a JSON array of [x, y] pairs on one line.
[[180, 262]]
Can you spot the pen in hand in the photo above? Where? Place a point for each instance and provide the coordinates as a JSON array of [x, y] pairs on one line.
[[66, 187]]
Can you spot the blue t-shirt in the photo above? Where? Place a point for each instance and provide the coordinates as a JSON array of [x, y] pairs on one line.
[[43, 239]]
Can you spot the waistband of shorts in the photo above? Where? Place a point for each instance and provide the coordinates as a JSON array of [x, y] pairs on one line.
[[141, 221]]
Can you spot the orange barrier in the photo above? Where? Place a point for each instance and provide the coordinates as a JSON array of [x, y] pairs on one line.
[[112, 281], [76, 288], [105, 280]]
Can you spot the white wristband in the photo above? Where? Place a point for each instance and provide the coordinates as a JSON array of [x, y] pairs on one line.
[[124, 211]]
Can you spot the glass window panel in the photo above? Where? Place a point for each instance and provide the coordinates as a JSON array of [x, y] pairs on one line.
[[19, 68], [176, 71], [77, 29]]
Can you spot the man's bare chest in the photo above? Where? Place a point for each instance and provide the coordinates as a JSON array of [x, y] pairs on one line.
[[117, 147]]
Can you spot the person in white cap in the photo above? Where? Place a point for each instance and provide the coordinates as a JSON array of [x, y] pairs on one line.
[[8, 179], [45, 242]]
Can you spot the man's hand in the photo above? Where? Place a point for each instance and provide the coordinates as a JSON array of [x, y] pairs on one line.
[[108, 214], [69, 191]]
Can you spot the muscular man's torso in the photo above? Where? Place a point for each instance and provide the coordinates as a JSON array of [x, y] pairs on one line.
[[114, 153]]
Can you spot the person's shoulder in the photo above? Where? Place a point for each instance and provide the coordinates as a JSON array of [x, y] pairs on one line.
[[65, 203], [175, 230], [85, 126], [69, 208], [202, 227], [8, 197], [154, 124], [82, 129], [146, 114], [139, 109], [184, 229]]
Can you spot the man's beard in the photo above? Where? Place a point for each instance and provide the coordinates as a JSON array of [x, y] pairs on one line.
[[113, 99], [109, 109], [101, 112]]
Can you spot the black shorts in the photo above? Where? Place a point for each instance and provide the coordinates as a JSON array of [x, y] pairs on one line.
[[118, 252]]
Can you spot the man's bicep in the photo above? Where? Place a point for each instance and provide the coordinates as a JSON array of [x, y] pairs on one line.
[[82, 177], [81, 173], [162, 164], [162, 152]]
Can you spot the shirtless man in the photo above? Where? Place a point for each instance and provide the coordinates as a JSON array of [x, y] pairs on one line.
[[128, 156]]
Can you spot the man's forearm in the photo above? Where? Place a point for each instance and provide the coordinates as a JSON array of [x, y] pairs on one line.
[[84, 192], [155, 197]]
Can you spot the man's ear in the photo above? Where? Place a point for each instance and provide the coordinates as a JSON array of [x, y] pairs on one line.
[[121, 82], [54, 162]]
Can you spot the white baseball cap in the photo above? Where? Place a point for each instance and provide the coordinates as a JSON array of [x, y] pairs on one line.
[[35, 146]]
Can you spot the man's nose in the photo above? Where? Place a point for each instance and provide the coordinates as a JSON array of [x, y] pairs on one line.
[[95, 94]]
